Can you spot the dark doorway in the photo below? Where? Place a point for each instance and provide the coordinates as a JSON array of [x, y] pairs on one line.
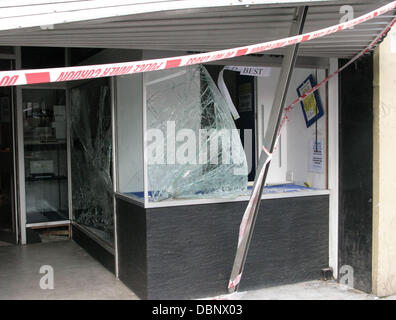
[[247, 121], [7, 203], [242, 91], [356, 170]]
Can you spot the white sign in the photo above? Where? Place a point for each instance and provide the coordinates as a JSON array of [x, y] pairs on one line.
[[250, 71], [317, 156]]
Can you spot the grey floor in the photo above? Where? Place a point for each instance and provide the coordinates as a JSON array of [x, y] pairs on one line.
[[311, 290], [78, 276]]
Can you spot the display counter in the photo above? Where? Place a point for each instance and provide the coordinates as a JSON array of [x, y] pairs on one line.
[[286, 190]]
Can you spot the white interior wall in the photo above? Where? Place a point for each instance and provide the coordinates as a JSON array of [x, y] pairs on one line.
[[266, 87], [300, 138], [130, 132], [292, 154]]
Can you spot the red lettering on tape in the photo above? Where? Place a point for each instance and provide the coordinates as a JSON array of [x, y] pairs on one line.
[[218, 56], [78, 75], [8, 81], [147, 67], [196, 60], [229, 54]]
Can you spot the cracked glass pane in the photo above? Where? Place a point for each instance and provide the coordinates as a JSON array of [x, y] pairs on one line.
[[193, 147], [91, 152]]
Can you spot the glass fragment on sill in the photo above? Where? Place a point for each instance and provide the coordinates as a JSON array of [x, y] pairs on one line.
[[193, 147]]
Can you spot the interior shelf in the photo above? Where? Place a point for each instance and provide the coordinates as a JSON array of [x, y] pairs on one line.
[[44, 178], [46, 216]]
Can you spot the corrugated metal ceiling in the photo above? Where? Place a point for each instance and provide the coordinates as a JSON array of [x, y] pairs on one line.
[[205, 29]]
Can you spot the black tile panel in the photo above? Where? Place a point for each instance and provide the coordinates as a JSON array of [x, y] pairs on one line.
[[190, 250]]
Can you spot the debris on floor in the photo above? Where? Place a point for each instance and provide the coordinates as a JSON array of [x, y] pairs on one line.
[[47, 234]]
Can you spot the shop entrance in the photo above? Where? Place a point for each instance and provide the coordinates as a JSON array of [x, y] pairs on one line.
[[8, 224]]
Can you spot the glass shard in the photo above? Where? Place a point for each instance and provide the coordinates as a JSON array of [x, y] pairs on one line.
[[192, 145], [91, 151]]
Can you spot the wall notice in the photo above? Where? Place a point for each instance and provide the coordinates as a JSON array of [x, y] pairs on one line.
[[317, 157]]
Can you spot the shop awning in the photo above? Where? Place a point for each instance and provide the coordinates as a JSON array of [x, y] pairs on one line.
[[183, 24]]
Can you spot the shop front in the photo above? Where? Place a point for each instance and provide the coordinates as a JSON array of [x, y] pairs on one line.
[[178, 221], [151, 173]]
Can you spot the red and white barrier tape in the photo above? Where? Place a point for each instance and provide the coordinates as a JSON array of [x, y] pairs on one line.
[[247, 216], [33, 76], [234, 282], [253, 199], [251, 203]]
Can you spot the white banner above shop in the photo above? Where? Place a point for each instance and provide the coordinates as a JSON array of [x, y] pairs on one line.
[[250, 71]]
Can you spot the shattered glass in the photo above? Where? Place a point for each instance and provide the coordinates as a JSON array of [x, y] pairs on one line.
[[193, 147], [91, 152]]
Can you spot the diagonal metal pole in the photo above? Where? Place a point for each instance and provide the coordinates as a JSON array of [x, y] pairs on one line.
[[271, 135]]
